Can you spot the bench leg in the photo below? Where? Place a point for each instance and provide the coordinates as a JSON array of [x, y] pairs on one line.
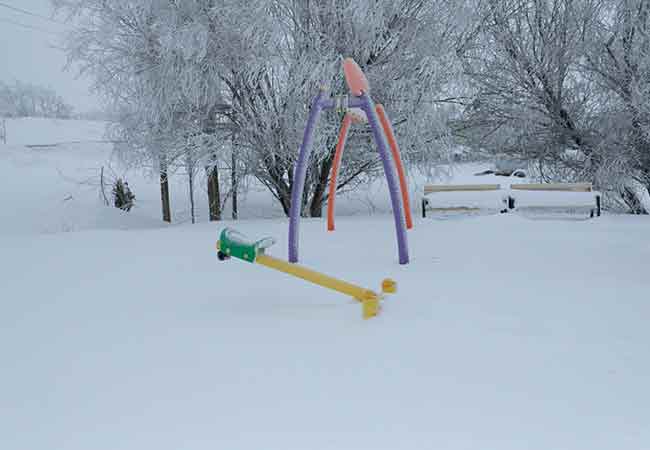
[[595, 212], [424, 208]]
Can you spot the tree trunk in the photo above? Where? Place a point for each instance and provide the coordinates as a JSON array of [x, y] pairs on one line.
[[234, 180], [316, 204], [164, 193], [190, 178], [214, 196], [285, 202]]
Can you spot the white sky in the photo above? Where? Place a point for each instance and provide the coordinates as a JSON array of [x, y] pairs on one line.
[[27, 54]]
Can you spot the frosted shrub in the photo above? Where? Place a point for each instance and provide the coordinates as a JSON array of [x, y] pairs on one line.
[[122, 196]]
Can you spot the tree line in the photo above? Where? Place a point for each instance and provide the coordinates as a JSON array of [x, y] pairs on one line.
[[21, 99]]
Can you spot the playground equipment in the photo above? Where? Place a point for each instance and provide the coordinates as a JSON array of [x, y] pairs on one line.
[[384, 138], [234, 244], [350, 117]]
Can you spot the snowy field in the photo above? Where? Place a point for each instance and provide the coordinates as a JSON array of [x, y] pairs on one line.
[[119, 333]]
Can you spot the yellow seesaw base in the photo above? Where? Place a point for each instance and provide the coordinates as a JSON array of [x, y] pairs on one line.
[[369, 299], [321, 279]]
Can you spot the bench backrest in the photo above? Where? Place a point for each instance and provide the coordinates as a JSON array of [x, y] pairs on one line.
[[567, 187], [431, 188]]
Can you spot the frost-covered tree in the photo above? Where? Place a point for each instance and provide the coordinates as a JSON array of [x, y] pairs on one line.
[[303, 46], [158, 65], [211, 70], [137, 53], [531, 100], [618, 60], [563, 84], [118, 44]]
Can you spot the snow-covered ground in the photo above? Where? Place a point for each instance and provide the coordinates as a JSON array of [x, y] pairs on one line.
[[117, 332]]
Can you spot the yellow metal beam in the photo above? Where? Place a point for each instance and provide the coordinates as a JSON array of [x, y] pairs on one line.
[[318, 278]]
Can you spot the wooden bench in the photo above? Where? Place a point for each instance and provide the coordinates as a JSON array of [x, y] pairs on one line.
[[434, 188], [558, 187], [510, 200]]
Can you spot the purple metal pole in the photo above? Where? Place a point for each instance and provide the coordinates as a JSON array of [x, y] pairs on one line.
[[300, 174], [391, 177]]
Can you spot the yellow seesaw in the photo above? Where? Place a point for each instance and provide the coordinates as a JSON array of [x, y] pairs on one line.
[[233, 244]]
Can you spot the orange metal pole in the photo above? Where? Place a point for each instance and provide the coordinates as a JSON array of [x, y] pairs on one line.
[[388, 130], [340, 146]]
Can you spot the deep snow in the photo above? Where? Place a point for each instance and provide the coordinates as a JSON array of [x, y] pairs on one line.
[[505, 333]]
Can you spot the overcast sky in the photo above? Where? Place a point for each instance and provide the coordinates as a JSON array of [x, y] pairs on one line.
[[26, 54]]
